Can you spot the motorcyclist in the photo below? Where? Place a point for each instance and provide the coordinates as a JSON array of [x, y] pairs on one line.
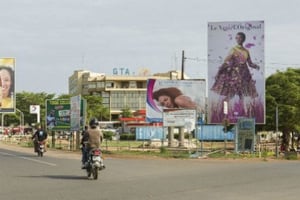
[[40, 135], [84, 141], [95, 137]]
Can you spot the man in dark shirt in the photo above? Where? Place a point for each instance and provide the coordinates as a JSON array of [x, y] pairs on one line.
[[40, 135], [84, 140]]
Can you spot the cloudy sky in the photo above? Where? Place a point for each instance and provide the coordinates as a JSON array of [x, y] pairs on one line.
[[52, 38]]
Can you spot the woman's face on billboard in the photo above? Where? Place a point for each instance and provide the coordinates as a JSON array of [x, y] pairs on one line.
[[239, 39], [165, 101], [6, 82]]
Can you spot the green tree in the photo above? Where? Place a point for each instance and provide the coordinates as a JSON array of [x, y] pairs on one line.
[[64, 96], [283, 91], [95, 108], [126, 112], [25, 99]]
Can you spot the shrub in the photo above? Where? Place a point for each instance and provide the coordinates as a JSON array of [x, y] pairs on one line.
[[127, 136], [163, 150], [176, 136], [291, 155], [108, 135]]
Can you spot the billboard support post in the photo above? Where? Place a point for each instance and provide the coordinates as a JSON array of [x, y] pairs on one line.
[[226, 123]]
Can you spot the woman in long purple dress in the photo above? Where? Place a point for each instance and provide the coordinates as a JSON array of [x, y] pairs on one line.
[[233, 77]]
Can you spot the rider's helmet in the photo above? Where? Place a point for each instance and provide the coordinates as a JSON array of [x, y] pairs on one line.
[[94, 123]]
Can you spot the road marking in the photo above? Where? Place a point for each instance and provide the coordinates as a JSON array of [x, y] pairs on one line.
[[30, 159]]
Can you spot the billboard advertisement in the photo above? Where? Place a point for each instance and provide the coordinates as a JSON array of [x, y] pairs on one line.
[[150, 133], [245, 137], [58, 114], [7, 93], [174, 94], [236, 71], [180, 118], [75, 113]]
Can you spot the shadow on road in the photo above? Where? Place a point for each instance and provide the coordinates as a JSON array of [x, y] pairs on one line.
[[61, 177]]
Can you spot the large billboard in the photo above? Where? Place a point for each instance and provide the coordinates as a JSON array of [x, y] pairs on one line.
[[174, 94], [236, 71], [58, 114], [7, 93]]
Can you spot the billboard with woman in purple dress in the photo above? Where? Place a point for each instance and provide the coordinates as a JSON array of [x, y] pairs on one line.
[[236, 71]]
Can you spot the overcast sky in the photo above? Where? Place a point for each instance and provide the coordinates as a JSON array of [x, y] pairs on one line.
[[52, 38]]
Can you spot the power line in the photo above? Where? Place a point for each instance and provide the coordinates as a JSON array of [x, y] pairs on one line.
[[267, 65]]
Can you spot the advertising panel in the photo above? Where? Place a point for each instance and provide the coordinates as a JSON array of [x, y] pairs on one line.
[[180, 118], [75, 113], [58, 114], [174, 94], [150, 133], [7, 83], [236, 71], [245, 137]]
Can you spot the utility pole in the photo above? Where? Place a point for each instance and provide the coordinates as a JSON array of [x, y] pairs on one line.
[[277, 139], [182, 65], [181, 130]]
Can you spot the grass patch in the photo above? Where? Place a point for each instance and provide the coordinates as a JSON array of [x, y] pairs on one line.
[[133, 144], [163, 153], [26, 144], [291, 155], [220, 154]]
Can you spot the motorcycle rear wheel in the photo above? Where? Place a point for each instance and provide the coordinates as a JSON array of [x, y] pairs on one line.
[[95, 173], [40, 153]]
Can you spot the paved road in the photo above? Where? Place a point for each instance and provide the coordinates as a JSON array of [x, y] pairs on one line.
[[57, 176]]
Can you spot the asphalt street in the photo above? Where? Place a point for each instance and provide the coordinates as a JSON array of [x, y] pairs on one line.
[[57, 176]]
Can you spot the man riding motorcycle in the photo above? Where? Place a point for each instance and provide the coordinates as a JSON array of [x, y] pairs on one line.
[[39, 136], [94, 138], [84, 140]]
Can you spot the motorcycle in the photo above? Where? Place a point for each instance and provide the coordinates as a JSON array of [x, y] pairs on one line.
[[94, 163], [41, 148]]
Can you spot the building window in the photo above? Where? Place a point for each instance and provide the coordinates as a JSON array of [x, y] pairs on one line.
[[134, 100], [109, 85], [105, 94], [139, 84], [125, 84], [132, 84], [92, 85], [100, 84]]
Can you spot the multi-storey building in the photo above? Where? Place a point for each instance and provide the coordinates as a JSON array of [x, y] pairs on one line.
[[117, 91]]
